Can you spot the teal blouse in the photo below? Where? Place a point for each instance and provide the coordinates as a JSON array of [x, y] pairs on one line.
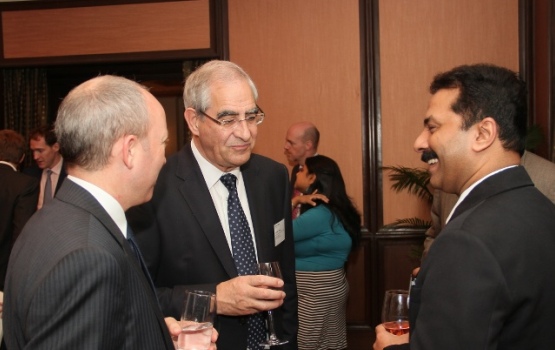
[[321, 241]]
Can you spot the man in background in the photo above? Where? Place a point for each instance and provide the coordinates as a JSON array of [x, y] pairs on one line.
[[217, 209], [18, 195], [18, 200], [486, 282], [75, 278], [49, 167], [301, 142]]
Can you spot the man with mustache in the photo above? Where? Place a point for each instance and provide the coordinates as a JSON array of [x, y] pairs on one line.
[[185, 232], [487, 281], [541, 171]]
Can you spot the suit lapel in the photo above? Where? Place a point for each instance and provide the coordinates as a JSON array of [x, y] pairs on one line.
[[504, 181], [76, 195], [194, 191]]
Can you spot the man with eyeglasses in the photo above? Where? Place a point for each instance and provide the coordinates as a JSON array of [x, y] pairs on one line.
[[188, 233]]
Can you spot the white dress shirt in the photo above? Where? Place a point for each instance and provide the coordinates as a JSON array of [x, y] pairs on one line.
[[219, 192]]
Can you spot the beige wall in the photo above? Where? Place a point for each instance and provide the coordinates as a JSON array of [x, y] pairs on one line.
[[304, 57], [418, 39]]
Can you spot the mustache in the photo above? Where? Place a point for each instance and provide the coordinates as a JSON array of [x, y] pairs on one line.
[[427, 155]]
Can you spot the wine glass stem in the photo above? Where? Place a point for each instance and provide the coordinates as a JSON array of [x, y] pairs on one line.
[[271, 325]]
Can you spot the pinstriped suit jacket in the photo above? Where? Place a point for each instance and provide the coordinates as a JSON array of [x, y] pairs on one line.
[[74, 283]]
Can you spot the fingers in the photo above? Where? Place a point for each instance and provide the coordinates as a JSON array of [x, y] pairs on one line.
[[245, 295]]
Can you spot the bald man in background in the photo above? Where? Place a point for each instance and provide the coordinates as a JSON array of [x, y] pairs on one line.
[[301, 142]]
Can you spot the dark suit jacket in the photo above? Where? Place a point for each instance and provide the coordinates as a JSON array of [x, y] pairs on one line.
[[19, 194], [488, 279], [182, 239], [74, 283], [294, 172], [541, 171]]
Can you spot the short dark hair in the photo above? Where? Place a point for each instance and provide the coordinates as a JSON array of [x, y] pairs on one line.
[[486, 90], [46, 131], [12, 146]]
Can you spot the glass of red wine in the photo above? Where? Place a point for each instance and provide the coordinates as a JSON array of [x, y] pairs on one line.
[[395, 311]]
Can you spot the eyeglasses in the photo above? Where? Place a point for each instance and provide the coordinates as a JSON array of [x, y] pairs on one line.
[[230, 121]]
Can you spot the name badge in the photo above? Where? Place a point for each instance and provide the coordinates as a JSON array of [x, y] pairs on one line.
[[279, 232]]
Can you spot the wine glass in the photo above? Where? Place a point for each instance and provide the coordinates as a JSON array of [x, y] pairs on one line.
[[395, 311], [271, 269]]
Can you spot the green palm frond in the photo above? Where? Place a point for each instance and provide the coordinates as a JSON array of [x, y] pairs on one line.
[[410, 222], [413, 180]]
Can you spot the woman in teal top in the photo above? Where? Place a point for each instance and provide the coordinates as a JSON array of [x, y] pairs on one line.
[[327, 230]]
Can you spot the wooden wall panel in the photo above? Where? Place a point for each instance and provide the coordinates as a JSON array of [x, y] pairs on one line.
[[304, 57], [129, 28], [418, 39]]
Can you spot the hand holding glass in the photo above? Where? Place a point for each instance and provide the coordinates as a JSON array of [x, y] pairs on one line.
[[197, 320], [395, 312], [271, 269]]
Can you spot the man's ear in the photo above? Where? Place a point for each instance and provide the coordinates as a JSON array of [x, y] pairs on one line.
[[487, 133], [129, 144], [56, 147], [192, 120]]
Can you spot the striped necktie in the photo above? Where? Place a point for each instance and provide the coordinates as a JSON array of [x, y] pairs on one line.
[[47, 187]]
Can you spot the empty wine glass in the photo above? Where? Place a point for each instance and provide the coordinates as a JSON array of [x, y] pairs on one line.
[[395, 311], [271, 269]]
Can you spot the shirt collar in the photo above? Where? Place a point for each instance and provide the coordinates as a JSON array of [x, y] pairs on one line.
[[57, 169], [471, 187], [109, 203], [10, 164], [210, 173]]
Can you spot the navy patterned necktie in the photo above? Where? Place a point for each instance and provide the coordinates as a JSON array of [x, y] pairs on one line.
[[243, 253], [139, 256]]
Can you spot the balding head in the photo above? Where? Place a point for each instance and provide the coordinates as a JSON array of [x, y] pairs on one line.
[[301, 141]]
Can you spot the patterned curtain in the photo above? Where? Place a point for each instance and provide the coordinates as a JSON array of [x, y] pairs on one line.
[[25, 100]]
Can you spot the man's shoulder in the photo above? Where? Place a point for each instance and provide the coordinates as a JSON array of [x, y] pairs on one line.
[[542, 173], [13, 178]]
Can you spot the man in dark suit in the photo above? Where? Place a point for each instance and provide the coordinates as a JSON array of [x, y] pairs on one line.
[[185, 233], [73, 280], [18, 195], [487, 280], [49, 163], [541, 171]]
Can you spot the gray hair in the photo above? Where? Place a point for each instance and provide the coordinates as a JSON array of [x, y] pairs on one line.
[[196, 93], [95, 114]]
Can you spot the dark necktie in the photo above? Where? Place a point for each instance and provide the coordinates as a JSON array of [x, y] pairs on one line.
[[47, 187], [243, 253], [139, 256]]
